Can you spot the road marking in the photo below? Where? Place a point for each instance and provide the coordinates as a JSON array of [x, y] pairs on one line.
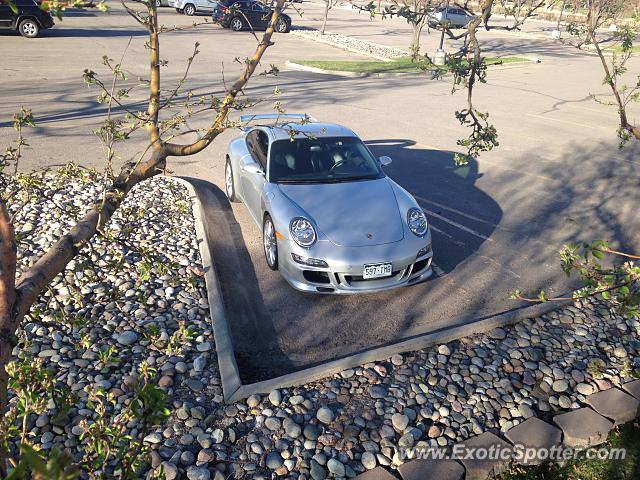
[[457, 225], [568, 122], [457, 212], [580, 107]]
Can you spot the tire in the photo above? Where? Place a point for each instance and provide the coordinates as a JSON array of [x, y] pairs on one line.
[[230, 188], [189, 9], [158, 3], [270, 243], [282, 26], [29, 28], [236, 24]]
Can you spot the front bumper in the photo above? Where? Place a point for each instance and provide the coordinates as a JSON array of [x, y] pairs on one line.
[[345, 266]]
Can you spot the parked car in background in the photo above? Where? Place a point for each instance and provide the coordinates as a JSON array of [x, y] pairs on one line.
[[331, 220], [240, 14], [452, 16], [28, 20], [193, 7], [164, 3]]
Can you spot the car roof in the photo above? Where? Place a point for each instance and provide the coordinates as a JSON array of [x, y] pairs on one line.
[[316, 129]]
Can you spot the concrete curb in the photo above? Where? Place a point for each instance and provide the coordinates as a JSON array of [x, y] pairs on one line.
[[229, 373], [305, 68]]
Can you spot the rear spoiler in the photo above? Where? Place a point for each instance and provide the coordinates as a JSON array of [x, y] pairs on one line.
[[275, 119]]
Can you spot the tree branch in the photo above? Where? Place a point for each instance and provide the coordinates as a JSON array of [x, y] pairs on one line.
[[218, 124]]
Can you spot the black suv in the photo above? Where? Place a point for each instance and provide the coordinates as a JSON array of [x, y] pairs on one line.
[[29, 19], [240, 14]]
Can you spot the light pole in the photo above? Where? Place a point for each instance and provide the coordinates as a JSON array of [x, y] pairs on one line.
[[440, 57]]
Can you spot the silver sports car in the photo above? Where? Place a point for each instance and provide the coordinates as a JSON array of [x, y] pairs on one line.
[[331, 220]]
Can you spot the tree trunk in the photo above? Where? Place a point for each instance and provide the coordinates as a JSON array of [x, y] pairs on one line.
[[8, 323], [327, 6], [415, 38]]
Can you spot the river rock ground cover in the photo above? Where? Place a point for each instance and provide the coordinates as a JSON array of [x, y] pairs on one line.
[[139, 296]]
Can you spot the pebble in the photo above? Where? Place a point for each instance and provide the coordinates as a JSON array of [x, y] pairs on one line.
[[127, 338], [198, 473], [275, 397], [325, 415]]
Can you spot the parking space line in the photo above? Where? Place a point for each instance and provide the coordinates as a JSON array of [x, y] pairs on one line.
[[453, 210], [457, 225], [568, 122]]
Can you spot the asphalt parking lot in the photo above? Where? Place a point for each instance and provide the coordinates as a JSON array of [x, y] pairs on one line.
[[497, 223]]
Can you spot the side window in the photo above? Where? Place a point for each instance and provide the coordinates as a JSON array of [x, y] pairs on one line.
[[258, 144]]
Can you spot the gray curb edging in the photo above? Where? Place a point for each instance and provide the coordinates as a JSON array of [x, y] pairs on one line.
[[229, 373], [305, 68]]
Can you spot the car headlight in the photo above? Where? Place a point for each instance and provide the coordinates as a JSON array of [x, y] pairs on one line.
[[417, 221], [302, 231]]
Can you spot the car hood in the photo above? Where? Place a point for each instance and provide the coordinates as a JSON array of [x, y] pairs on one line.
[[351, 214]]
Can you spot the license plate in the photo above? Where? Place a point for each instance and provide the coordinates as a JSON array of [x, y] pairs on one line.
[[377, 270]]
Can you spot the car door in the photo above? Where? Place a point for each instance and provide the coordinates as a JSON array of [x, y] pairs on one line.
[[251, 182], [262, 15], [206, 6], [459, 17], [6, 16], [253, 13]]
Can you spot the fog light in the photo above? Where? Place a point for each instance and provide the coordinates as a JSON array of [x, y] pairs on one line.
[[312, 262], [423, 251]]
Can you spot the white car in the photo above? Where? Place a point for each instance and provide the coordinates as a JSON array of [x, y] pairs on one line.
[[191, 7], [451, 16]]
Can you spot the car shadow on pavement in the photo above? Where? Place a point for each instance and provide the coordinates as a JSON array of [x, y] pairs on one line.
[[461, 216]]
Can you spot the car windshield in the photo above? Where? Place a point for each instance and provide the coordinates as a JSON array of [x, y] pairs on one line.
[[322, 160]]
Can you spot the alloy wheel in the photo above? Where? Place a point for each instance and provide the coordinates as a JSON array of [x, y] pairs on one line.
[[236, 24], [270, 244], [228, 177], [29, 29]]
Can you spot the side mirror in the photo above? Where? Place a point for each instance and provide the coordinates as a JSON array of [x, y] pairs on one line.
[[253, 168], [384, 160]]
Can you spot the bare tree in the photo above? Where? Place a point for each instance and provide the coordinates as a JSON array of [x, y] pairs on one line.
[[18, 295], [328, 5], [613, 57]]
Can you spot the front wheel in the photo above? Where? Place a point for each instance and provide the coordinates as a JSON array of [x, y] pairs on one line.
[[228, 182], [189, 9], [282, 26], [158, 3], [236, 24], [29, 28], [270, 243]]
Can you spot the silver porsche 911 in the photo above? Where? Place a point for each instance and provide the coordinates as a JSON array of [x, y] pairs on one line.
[[331, 220]]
